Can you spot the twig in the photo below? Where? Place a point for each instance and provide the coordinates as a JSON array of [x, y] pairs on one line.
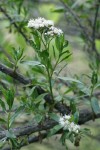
[[90, 39], [15, 25], [13, 74], [94, 24], [77, 21]]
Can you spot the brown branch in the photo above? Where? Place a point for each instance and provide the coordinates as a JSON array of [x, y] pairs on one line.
[[29, 129], [85, 115], [14, 75], [31, 140], [61, 108]]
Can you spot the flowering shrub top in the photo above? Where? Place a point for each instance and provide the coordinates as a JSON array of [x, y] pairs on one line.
[[67, 124], [48, 25]]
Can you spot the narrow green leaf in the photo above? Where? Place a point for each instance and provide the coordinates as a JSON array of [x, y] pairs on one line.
[[66, 44], [95, 105], [38, 118], [10, 134], [67, 51], [16, 114], [58, 10], [54, 130], [70, 79], [2, 120], [54, 116], [76, 117], [2, 105], [33, 63], [73, 106], [65, 58], [54, 52], [10, 98], [94, 78]]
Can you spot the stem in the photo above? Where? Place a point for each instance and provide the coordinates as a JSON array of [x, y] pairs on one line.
[[50, 84], [8, 121], [43, 41], [90, 102]]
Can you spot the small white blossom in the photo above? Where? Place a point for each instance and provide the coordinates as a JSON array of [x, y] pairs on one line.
[[66, 116], [54, 31], [65, 122], [40, 23]]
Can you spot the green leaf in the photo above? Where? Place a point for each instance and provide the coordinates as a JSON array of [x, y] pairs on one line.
[[54, 130], [64, 136], [65, 44], [97, 85], [58, 10], [73, 106], [33, 63], [10, 134], [54, 54], [9, 96], [16, 114], [32, 43], [95, 105], [2, 120], [65, 52], [38, 118], [2, 105], [76, 117], [54, 116], [84, 89], [59, 40], [70, 79], [94, 78], [65, 58], [17, 53], [36, 39]]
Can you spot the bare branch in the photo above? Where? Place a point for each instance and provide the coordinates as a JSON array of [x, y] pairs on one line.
[[13, 74]]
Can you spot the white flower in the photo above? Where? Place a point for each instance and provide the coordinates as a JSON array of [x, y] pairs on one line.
[[64, 121], [54, 31], [40, 23], [66, 116]]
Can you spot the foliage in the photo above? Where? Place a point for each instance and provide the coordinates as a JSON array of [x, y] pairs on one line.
[[47, 96]]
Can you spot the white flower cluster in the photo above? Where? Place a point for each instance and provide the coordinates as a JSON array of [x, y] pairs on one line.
[[54, 31], [67, 125], [41, 23]]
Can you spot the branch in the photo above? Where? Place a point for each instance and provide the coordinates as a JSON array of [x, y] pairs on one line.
[[15, 25], [14, 75], [94, 24], [85, 115], [61, 108], [86, 35], [31, 140], [29, 129], [91, 38]]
